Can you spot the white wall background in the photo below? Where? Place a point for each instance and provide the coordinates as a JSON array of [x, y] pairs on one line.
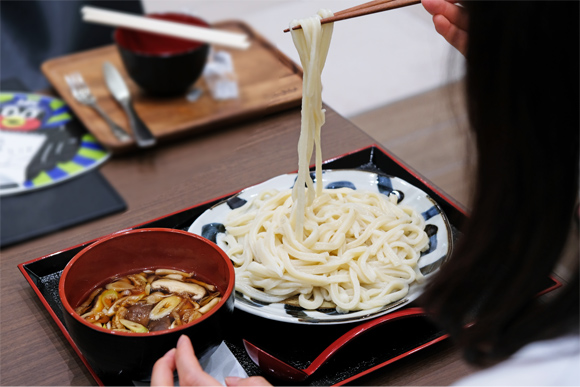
[[373, 60]]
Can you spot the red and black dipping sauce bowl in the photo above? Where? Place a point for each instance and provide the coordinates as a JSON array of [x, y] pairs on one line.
[[121, 357], [163, 65]]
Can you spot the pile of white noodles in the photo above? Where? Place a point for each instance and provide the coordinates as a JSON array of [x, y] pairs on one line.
[[353, 249], [360, 249]]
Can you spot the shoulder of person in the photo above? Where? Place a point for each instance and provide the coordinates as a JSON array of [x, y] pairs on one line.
[[548, 362]]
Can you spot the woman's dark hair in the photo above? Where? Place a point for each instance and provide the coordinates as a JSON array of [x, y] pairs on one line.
[[522, 90]]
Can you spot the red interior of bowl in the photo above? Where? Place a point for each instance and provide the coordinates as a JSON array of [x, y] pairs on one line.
[[134, 250], [154, 44]]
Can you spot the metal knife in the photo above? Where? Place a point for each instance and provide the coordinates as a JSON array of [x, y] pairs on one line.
[[120, 91]]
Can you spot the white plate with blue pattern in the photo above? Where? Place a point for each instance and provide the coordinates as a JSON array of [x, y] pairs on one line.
[[210, 226]]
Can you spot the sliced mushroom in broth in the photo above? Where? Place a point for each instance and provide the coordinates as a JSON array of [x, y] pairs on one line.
[[148, 301]]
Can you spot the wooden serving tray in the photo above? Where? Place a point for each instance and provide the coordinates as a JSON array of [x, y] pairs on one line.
[[268, 82]]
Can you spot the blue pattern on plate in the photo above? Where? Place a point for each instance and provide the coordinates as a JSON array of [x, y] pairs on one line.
[[312, 176], [340, 184], [56, 173], [236, 202], [431, 231], [385, 186], [431, 212], [210, 231], [302, 314], [240, 297], [91, 145], [84, 161]]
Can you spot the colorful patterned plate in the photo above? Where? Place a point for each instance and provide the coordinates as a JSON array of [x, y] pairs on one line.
[[210, 226], [41, 143]]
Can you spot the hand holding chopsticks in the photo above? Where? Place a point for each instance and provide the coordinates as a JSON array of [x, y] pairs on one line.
[[364, 9]]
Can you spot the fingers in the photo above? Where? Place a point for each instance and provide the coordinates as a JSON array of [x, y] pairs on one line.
[[251, 381], [163, 370], [451, 21], [453, 12], [455, 36], [188, 368]]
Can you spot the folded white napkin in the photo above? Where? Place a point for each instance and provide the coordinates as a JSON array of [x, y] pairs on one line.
[[219, 363], [222, 363]]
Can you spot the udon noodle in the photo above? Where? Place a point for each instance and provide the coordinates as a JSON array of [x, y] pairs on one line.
[[312, 42], [341, 248]]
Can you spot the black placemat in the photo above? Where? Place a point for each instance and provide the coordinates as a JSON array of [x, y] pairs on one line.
[[82, 198], [78, 200]]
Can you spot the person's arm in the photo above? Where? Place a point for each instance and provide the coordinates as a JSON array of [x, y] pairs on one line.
[[450, 20], [189, 370]]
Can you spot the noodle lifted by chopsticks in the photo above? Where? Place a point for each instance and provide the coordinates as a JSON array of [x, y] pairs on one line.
[[351, 249]]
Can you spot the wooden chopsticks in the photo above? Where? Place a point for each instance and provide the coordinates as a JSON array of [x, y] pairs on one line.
[[364, 9], [164, 27]]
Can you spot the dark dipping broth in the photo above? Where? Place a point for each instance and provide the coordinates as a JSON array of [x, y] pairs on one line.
[[149, 301]]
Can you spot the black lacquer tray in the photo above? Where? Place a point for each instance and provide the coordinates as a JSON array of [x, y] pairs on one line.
[[296, 344]]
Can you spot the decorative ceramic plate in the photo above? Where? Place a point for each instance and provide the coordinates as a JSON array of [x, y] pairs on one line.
[[210, 226], [41, 143]]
